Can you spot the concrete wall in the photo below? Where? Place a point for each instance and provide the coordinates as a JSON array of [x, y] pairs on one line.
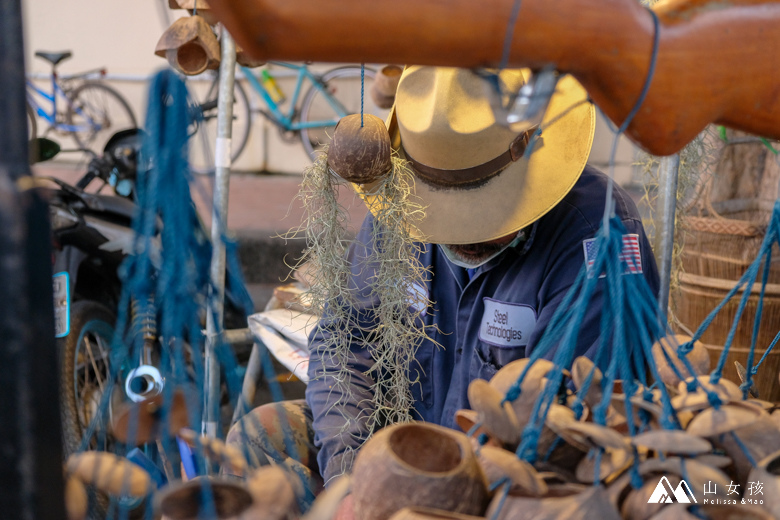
[[122, 35]]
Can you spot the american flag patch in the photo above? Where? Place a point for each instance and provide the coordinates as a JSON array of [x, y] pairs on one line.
[[630, 253]]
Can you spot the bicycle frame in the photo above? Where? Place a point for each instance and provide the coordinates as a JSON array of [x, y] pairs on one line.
[[286, 120], [51, 97]]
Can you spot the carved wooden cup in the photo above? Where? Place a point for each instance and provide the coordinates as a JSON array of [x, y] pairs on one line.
[[417, 464]]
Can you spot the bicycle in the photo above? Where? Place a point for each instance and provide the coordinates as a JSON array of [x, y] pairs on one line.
[[93, 110], [331, 96]]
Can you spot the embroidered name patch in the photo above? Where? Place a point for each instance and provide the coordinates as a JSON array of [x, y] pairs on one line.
[[630, 254], [506, 324], [417, 298]]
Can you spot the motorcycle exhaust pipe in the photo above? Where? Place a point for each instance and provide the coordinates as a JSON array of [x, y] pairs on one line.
[[144, 382]]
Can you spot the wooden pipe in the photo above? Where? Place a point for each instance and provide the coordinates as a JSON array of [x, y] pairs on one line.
[[717, 60]]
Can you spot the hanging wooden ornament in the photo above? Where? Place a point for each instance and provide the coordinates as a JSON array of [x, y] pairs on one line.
[[190, 46], [187, 500], [360, 149], [109, 473], [417, 464], [699, 358], [76, 500], [144, 419], [385, 84]]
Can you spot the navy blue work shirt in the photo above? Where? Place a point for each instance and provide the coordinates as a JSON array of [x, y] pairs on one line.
[[482, 323]]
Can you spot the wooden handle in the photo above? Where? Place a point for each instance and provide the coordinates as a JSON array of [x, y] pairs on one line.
[[717, 61]]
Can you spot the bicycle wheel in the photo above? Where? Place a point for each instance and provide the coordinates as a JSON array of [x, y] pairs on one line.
[[203, 135], [95, 113], [342, 87]]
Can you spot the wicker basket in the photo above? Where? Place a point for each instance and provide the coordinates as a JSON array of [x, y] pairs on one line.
[[726, 238], [699, 295]]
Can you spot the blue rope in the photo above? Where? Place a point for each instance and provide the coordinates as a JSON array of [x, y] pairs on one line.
[[362, 90], [510, 31]]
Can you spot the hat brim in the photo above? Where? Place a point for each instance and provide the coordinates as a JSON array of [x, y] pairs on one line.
[[521, 194]]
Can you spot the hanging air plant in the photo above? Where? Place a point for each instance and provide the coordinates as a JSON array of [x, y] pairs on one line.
[[360, 152]]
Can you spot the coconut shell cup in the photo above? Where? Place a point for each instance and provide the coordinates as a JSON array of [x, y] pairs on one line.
[[713, 512], [76, 500], [185, 500], [768, 474], [566, 502], [426, 513], [417, 464], [190, 46], [698, 357], [109, 473]]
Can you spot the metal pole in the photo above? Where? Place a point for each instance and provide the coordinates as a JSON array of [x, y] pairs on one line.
[[214, 320], [31, 485], [668, 170]]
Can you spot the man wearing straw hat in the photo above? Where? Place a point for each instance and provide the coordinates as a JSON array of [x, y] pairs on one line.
[[505, 230]]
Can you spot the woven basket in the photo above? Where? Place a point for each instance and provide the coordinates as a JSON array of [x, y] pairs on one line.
[[699, 295], [725, 239]]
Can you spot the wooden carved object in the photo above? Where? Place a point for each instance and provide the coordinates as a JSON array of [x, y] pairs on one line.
[[715, 58], [417, 464]]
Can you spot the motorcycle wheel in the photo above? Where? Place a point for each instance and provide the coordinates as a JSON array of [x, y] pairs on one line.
[[85, 370]]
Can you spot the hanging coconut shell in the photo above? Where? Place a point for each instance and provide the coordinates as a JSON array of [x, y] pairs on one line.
[[530, 389], [109, 473], [612, 464], [273, 495], [637, 506], [143, 419], [567, 502], [185, 500], [190, 46], [495, 415], [698, 357], [714, 460], [360, 153], [499, 464], [767, 472], [229, 457], [715, 421], [76, 500], [426, 513], [328, 502], [245, 60], [417, 464], [199, 7], [760, 439], [672, 442], [580, 370], [466, 419], [696, 473], [384, 86], [595, 436], [712, 512]]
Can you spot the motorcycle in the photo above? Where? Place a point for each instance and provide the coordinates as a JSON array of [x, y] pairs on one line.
[[92, 235]]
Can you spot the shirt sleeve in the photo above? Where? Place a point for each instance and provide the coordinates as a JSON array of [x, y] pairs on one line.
[[341, 407]]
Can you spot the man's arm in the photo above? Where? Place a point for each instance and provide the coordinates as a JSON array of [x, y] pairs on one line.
[[341, 399]]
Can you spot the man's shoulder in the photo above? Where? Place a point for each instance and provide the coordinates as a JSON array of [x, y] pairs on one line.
[[588, 197]]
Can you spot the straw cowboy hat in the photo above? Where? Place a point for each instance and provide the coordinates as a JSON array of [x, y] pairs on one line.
[[471, 173]]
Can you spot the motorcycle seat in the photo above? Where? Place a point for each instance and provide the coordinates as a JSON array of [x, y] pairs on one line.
[[110, 204], [54, 57]]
